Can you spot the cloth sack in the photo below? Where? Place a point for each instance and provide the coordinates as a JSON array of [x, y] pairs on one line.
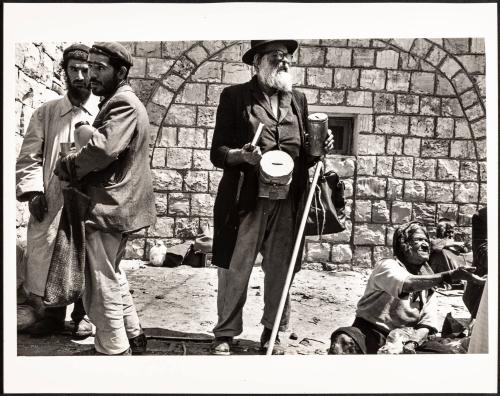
[[175, 254], [327, 212], [66, 276]]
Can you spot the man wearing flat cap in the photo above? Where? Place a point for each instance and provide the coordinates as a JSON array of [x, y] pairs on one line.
[[51, 124], [249, 216], [113, 168]]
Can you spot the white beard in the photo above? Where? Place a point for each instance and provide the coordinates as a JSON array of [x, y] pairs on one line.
[[272, 78]]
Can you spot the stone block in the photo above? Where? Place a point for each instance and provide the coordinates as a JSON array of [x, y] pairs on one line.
[[213, 46], [196, 181], [134, 250], [191, 137], [334, 43], [384, 165], [363, 57], [483, 194], [482, 170], [425, 169], [344, 166], [407, 104], [341, 253], [213, 181], [331, 97], [201, 160], [164, 228], [311, 56], [456, 45], [366, 165], [142, 88], [421, 47], [411, 147], [462, 130], [184, 67], [391, 125], [422, 82], [468, 170], [430, 106], [477, 46], [435, 56], [162, 96], [371, 187], [318, 252], [338, 57], [179, 114], [444, 87], [403, 167], [192, 93], [414, 190], [206, 116], [451, 107], [344, 236], [387, 59], [159, 157], [445, 127], [365, 123], [465, 214], [450, 67], [398, 81], [462, 149], [155, 113], [362, 257], [311, 94], [202, 205], [435, 148], [359, 43], [371, 79], [401, 212], [168, 137], [394, 145], [408, 62], [148, 49], [469, 98], [345, 78], [467, 192], [382, 252], [426, 213], [447, 169], [480, 82], [449, 211], [359, 98], [174, 49], [179, 158], [139, 68], [380, 212], [210, 135], [213, 93], [481, 149], [369, 234], [363, 212], [474, 112], [371, 144], [462, 82], [422, 126], [186, 227], [197, 54], [173, 82], [320, 77], [161, 203], [235, 73], [348, 192], [473, 63], [179, 204], [439, 191], [383, 103], [208, 72], [394, 189]]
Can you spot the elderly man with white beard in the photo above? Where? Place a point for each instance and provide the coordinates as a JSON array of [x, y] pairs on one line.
[[248, 218]]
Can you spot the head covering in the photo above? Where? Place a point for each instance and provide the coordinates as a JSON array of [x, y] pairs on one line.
[[356, 334], [403, 235], [76, 51], [113, 50], [258, 45]]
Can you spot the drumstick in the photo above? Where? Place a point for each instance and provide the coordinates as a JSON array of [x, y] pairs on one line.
[[257, 134]]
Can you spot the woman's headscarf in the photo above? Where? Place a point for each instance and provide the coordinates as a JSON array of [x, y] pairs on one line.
[[402, 238]]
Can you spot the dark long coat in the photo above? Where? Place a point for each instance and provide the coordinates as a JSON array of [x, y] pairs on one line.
[[238, 189]]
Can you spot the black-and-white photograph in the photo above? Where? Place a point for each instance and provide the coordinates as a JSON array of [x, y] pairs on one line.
[[248, 198]]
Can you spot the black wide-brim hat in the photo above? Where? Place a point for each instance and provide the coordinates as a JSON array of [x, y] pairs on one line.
[[257, 45]]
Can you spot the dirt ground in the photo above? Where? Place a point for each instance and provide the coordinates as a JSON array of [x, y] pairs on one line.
[[177, 308]]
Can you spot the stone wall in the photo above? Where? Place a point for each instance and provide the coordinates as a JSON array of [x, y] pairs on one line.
[[418, 152]]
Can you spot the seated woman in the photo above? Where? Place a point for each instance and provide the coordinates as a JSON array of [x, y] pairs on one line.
[[399, 293]]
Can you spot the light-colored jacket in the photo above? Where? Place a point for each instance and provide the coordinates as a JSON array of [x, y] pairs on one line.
[[51, 124]]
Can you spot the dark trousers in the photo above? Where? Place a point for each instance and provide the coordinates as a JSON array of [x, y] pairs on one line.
[[374, 337], [59, 313]]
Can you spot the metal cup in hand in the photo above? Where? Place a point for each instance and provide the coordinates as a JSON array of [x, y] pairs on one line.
[[317, 128], [65, 148]]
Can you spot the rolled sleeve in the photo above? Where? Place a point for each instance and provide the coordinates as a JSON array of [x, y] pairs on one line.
[[29, 164], [109, 140], [389, 276]]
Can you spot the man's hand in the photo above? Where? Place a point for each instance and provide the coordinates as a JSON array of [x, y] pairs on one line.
[[38, 206], [251, 154], [329, 142], [61, 169], [466, 273]]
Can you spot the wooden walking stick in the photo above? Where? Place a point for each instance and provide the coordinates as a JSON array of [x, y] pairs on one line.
[[288, 281]]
